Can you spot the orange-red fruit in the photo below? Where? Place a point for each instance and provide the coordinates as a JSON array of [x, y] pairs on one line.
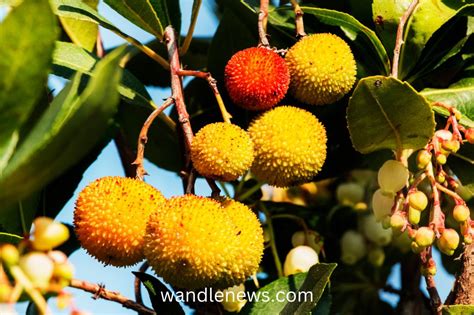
[[256, 78]]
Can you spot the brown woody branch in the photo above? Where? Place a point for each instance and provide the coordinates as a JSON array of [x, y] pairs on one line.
[[99, 291], [299, 24], [143, 138], [262, 23], [461, 294], [399, 38]]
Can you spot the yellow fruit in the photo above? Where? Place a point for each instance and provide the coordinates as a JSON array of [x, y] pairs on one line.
[[290, 146], [300, 259], [110, 218], [322, 69], [48, 233], [448, 242], [194, 242], [234, 298], [222, 151]]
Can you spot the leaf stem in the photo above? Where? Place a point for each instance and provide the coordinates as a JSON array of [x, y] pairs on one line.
[[399, 38], [189, 36], [273, 246]]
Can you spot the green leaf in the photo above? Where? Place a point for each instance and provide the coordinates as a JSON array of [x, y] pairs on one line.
[[156, 290], [82, 33], [150, 15], [315, 282], [27, 38], [66, 132], [309, 286], [385, 113], [458, 309], [363, 37], [459, 95], [68, 58], [428, 17], [9, 238]]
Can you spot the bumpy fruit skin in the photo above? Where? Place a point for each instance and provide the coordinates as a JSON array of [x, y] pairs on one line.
[[290, 146], [322, 69], [110, 218], [448, 242], [299, 259], [222, 151], [194, 242], [256, 78]]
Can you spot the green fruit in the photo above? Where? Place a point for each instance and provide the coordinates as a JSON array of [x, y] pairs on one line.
[[423, 158], [376, 256], [397, 222], [414, 215], [418, 200], [425, 236], [48, 233], [353, 247], [349, 194], [448, 242], [375, 232], [392, 176], [381, 205]]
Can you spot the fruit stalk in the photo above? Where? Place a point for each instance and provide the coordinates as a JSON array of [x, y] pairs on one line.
[[34, 294], [298, 19], [100, 292], [143, 138], [262, 23], [399, 38], [213, 85]]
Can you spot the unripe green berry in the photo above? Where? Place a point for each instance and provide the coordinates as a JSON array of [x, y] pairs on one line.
[[425, 236], [375, 232], [381, 205], [461, 213], [416, 248], [376, 256], [38, 267], [418, 200], [397, 222], [414, 215], [353, 247], [448, 242], [423, 159], [440, 178], [349, 194], [441, 159], [300, 259], [48, 234], [469, 135], [392, 176], [9, 254], [451, 145]]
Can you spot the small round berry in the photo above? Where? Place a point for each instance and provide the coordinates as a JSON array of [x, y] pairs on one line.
[[448, 242], [300, 259], [414, 215], [392, 176], [381, 205], [375, 232], [314, 240], [418, 200], [38, 267], [441, 159], [376, 256], [397, 222], [423, 159], [48, 233], [9, 254], [425, 236], [353, 247], [461, 213], [349, 194], [234, 298]]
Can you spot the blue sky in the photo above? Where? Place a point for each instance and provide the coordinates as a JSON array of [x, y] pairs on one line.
[[108, 164]]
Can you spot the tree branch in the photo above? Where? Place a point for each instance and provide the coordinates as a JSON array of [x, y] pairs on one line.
[[143, 138], [298, 19], [399, 38], [100, 292], [462, 290], [137, 284]]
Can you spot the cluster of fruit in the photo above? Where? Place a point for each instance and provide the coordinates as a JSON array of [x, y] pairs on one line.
[[34, 266], [190, 241], [286, 145], [403, 197]]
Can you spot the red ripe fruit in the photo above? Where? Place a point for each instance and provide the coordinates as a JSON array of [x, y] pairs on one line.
[[256, 78]]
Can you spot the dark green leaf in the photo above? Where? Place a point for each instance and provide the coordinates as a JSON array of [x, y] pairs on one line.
[[156, 289], [82, 33], [150, 15], [66, 132], [315, 282], [310, 286], [27, 38], [459, 95], [385, 113]]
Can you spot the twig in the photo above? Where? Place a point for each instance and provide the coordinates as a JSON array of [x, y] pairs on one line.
[[262, 23], [189, 36], [437, 215], [213, 85], [298, 19], [435, 300], [449, 192], [216, 192], [143, 138], [399, 38], [100, 292], [137, 284]]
